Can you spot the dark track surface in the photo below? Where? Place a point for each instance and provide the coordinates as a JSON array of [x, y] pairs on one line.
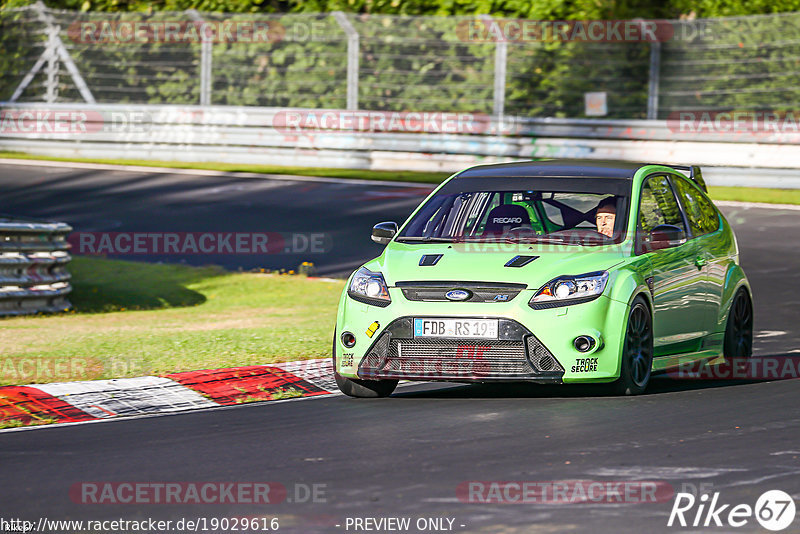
[[405, 456], [122, 201]]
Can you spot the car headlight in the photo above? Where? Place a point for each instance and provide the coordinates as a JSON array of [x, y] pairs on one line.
[[566, 290], [370, 288]]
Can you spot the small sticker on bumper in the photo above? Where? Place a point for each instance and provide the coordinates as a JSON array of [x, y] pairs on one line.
[[584, 365], [372, 329]]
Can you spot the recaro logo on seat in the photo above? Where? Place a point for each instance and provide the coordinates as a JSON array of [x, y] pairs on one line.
[[506, 220]]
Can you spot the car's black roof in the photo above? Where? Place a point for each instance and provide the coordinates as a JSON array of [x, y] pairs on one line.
[[556, 168]]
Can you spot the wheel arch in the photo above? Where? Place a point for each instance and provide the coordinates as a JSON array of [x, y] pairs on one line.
[[735, 279], [626, 384], [628, 284], [648, 300]]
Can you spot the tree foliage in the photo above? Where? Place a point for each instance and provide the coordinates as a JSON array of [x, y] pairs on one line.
[[412, 58], [531, 9]]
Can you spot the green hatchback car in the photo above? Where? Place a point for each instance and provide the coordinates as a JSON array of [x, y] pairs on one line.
[[561, 271]]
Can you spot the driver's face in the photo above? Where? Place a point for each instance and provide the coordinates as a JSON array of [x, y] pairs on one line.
[[605, 223]]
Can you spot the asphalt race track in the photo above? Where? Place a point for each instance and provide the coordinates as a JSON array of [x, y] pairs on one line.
[[341, 215], [407, 456]]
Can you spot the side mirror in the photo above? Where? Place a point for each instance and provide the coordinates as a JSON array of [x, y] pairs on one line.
[[383, 232], [666, 236]]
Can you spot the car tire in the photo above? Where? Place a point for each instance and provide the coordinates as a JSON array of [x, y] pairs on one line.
[[637, 351], [365, 389], [738, 343]]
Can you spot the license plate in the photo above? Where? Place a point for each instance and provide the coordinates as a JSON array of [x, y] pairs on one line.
[[457, 328]]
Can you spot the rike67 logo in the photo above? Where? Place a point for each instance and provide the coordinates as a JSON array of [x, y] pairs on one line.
[[774, 510]]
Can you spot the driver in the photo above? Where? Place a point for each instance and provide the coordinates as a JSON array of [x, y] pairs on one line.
[[605, 216]]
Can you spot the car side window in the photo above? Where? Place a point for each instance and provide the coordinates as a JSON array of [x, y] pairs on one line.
[[702, 216], [475, 210], [658, 206], [486, 208]]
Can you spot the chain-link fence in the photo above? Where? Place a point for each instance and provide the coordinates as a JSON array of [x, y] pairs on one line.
[[737, 63], [616, 69]]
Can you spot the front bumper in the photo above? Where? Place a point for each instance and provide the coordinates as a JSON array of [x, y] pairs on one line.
[[516, 355], [533, 345]]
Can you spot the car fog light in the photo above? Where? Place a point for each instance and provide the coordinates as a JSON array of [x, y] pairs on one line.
[[348, 339], [584, 343]]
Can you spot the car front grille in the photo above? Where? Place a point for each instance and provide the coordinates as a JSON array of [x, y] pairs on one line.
[[457, 358], [520, 356], [476, 291]]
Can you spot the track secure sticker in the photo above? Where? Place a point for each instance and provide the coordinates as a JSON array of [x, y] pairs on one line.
[[585, 365], [347, 359]]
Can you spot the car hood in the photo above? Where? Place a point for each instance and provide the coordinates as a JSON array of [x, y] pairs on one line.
[[462, 262]]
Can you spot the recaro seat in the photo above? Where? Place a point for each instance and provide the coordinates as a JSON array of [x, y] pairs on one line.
[[503, 218]]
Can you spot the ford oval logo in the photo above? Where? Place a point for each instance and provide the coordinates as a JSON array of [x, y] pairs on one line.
[[458, 294]]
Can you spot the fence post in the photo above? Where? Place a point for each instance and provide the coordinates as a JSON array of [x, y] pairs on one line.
[[652, 86], [62, 53], [51, 86], [500, 61], [352, 58], [206, 64], [53, 51]]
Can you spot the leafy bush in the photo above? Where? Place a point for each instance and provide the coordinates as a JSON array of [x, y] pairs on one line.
[[420, 62]]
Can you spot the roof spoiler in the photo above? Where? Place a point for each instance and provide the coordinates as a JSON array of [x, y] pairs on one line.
[[695, 174]]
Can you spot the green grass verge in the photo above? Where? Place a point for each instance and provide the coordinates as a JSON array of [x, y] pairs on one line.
[[742, 194], [753, 194], [132, 319], [11, 423], [16, 423]]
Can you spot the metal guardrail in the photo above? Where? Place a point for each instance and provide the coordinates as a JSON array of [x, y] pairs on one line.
[[33, 259], [248, 125], [258, 135]]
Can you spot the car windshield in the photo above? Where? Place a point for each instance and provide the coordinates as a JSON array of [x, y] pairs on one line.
[[554, 217]]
